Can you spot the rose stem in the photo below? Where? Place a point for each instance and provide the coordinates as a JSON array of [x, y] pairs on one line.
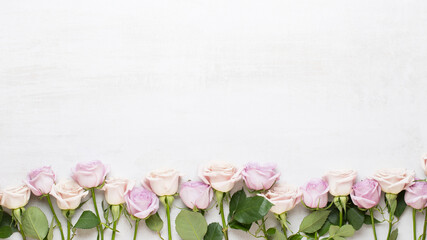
[[22, 231], [168, 215], [414, 224], [68, 229], [390, 225], [136, 229], [263, 227], [224, 224], [56, 217], [101, 232], [341, 217], [113, 236], [373, 223], [282, 223], [425, 226]]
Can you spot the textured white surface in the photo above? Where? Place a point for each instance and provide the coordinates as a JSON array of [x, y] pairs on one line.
[[311, 85]]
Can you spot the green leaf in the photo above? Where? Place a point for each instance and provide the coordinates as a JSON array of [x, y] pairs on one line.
[[393, 235], [7, 221], [87, 220], [50, 233], [314, 221], [5, 231], [237, 199], [401, 204], [214, 232], [324, 229], [190, 225], [338, 238], [296, 236], [252, 209], [236, 225], [367, 220], [334, 216], [154, 222], [345, 231], [333, 230], [355, 217], [34, 223]]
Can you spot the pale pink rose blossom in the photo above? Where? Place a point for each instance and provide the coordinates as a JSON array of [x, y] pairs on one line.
[[220, 176], [141, 203], [41, 180], [15, 197], [196, 194], [416, 195], [394, 180], [284, 197], [340, 181], [68, 194], [115, 190], [366, 194], [315, 193], [162, 182], [90, 174], [260, 176]]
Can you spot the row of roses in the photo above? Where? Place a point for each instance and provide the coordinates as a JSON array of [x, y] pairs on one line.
[[351, 201]]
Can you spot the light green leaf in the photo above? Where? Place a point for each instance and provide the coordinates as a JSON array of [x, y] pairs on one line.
[[191, 225], [214, 232], [252, 209], [154, 222], [393, 235], [294, 237], [333, 230], [314, 221], [345, 231], [50, 233], [87, 220], [34, 223]]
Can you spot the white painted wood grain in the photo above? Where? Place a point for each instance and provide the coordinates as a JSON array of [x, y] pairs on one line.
[[311, 85]]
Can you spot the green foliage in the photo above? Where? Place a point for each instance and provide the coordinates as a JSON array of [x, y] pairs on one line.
[[87, 220], [339, 233], [214, 232], [191, 225], [314, 221], [355, 217], [400, 205], [154, 223], [34, 223]]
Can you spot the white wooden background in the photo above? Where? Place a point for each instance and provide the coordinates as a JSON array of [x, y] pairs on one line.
[[311, 85]]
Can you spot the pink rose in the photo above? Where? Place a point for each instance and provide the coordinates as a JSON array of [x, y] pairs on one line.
[[115, 190], [41, 180], [196, 194], [260, 176], [15, 197], [315, 193], [424, 164], [394, 180], [90, 174], [141, 203], [68, 194], [366, 194], [284, 197], [416, 195], [340, 181], [162, 182], [220, 176]]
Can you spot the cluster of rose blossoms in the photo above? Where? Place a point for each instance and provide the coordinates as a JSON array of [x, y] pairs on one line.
[[218, 179]]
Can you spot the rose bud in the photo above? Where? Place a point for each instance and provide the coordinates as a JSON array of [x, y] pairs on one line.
[[424, 164], [90, 174], [394, 180], [68, 194], [366, 194], [141, 203], [16, 197], [196, 195], [260, 176], [162, 182], [41, 180], [340, 181], [284, 197], [315, 193], [416, 195], [115, 190], [220, 176]]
